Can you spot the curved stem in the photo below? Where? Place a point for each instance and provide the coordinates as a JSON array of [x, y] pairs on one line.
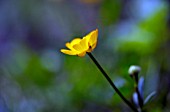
[[111, 83]]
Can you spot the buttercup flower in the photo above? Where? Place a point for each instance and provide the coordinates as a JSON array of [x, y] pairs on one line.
[[85, 45], [80, 46]]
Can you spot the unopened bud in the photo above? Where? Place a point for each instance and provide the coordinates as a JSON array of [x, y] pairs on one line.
[[134, 69]]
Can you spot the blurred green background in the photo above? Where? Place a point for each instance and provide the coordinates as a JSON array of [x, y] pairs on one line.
[[36, 77]]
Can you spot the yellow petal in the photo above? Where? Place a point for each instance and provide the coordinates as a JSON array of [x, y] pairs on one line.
[[94, 45], [82, 54], [92, 40], [84, 44], [93, 37], [91, 47], [68, 45], [69, 52], [75, 41], [78, 47]]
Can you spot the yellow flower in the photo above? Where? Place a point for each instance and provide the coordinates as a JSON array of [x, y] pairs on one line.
[[80, 46]]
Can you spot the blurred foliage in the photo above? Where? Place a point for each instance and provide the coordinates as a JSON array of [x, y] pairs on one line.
[[36, 77], [35, 73], [145, 35], [110, 11]]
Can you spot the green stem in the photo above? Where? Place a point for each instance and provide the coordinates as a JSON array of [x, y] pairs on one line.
[[111, 83]]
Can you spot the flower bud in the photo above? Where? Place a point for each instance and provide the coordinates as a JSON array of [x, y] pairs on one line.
[[134, 69]]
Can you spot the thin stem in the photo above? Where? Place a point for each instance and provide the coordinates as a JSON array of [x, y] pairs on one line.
[[137, 90], [111, 83], [139, 98]]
